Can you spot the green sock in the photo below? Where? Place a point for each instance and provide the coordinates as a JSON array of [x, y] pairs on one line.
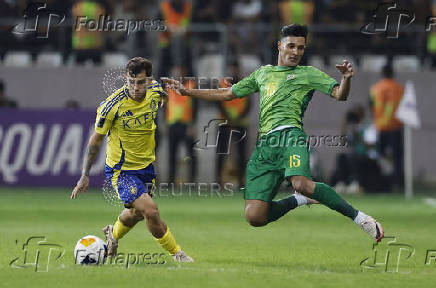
[[327, 195], [280, 207]]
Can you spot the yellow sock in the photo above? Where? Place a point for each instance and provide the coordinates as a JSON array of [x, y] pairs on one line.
[[168, 242], [120, 229]]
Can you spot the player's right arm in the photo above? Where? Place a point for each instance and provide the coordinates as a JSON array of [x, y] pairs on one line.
[[221, 94], [103, 123], [245, 87], [92, 150]]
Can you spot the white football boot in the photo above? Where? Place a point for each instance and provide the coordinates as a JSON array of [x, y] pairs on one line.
[[182, 257], [373, 228]]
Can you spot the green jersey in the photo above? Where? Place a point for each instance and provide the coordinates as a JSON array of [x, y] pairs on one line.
[[285, 93]]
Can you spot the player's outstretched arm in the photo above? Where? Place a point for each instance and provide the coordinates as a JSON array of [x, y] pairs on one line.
[[341, 92], [222, 94], [92, 150]]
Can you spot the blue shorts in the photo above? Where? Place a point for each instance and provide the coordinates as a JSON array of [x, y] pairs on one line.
[[130, 184]]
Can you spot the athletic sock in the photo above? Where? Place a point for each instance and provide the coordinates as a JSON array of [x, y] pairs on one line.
[[168, 242], [327, 195], [280, 207], [301, 200], [120, 229], [360, 218]]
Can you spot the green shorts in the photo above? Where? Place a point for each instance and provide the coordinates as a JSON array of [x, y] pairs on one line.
[[277, 156]]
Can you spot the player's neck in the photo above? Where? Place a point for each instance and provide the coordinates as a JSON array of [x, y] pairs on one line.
[[286, 66], [283, 65]]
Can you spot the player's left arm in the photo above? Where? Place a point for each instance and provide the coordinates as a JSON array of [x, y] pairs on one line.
[[340, 92]]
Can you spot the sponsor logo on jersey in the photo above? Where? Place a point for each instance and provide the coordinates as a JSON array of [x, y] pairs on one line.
[[290, 77]]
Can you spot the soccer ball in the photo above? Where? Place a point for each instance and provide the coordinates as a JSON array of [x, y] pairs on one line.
[[90, 250]]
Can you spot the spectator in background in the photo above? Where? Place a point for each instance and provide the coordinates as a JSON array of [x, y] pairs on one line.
[[357, 170], [431, 41], [72, 104], [4, 101], [211, 11], [296, 11], [7, 10], [245, 15], [236, 114], [174, 43], [431, 48], [86, 44], [385, 97], [180, 118]]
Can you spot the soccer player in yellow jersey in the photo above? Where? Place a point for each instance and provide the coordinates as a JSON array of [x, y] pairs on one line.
[[127, 117]]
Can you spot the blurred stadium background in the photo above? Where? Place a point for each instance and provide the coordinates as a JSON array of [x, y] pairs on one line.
[[56, 82], [52, 83]]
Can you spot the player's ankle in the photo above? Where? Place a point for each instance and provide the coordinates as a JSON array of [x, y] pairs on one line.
[[301, 200], [359, 218]]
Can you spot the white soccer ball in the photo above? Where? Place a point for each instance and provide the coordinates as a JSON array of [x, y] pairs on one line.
[[90, 250]]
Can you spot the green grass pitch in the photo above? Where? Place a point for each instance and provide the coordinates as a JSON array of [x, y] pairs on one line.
[[309, 247]]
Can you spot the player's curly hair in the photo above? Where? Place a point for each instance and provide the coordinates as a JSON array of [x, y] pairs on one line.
[[138, 64], [294, 30]]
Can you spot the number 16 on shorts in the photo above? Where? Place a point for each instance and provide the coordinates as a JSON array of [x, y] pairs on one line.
[[294, 161]]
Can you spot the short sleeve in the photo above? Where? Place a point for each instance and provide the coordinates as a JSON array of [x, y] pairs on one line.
[[105, 116], [246, 86], [156, 87], [321, 81]]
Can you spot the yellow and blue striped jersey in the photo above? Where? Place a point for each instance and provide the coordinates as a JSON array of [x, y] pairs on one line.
[[130, 127]]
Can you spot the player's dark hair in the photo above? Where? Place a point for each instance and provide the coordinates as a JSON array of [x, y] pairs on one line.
[[2, 86], [387, 71], [138, 64], [296, 30]]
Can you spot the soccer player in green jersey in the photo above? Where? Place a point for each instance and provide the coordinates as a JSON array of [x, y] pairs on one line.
[[282, 148], [128, 118]]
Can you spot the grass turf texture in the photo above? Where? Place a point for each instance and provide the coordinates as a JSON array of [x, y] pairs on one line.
[[313, 247]]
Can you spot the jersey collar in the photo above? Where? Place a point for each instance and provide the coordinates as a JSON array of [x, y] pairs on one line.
[[286, 67]]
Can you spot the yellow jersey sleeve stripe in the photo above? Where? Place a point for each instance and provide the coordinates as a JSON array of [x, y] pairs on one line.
[[154, 84], [112, 103]]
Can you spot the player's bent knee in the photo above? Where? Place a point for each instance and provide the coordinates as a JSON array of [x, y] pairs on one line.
[[255, 220]]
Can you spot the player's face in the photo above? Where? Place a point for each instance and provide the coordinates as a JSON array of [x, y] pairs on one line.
[[291, 50], [138, 85]]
